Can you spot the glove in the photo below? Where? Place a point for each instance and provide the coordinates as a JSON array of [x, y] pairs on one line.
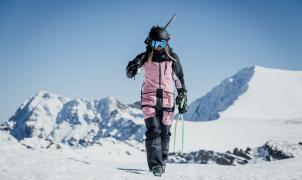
[[181, 101], [138, 62], [133, 67]]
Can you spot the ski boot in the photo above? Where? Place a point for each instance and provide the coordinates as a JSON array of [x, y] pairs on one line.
[[157, 170]]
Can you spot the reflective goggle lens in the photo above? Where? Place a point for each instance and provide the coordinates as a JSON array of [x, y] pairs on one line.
[[156, 44]]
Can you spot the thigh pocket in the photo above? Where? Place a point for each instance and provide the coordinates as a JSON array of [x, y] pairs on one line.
[[148, 99], [168, 118], [168, 99]]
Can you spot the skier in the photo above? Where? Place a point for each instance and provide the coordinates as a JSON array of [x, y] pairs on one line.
[[162, 69]]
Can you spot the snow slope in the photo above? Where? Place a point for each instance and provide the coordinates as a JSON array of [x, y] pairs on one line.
[[254, 93]]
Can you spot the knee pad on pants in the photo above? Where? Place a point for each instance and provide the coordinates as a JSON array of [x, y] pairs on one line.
[[153, 127]]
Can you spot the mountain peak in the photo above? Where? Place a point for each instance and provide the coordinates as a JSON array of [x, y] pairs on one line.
[[42, 93]]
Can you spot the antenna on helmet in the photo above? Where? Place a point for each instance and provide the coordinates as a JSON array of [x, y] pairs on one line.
[[173, 17]]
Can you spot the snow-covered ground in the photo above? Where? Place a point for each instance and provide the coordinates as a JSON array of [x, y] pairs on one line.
[[227, 133], [111, 161], [63, 138]]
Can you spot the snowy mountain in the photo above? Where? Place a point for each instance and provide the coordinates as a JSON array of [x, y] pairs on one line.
[[255, 93], [75, 121], [252, 101]]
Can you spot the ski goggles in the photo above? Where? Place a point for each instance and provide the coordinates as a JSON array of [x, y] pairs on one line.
[[160, 43]]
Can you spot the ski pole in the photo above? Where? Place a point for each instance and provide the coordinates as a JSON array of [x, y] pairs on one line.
[[182, 133], [180, 118], [175, 130]]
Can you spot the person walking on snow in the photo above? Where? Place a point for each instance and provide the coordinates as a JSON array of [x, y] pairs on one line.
[[162, 70]]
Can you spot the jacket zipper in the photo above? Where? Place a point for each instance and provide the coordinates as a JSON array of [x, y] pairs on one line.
[[159, 75], [165, 68]]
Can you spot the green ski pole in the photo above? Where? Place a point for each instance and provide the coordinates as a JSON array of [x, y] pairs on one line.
[[182, 127], [181, 118], [175, 130], [182, 134]]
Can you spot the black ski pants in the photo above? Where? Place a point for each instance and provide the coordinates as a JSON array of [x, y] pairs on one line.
[[157, 141]]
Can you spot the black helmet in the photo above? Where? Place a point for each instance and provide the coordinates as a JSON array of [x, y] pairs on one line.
[[157, 33]]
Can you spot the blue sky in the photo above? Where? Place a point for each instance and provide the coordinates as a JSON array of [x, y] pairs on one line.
[[81, 48]]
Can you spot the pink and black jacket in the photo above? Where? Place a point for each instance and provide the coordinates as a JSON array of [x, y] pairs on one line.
[[160, 77]]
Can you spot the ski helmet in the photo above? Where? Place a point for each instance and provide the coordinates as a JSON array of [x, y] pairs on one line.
[[157, 33]]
